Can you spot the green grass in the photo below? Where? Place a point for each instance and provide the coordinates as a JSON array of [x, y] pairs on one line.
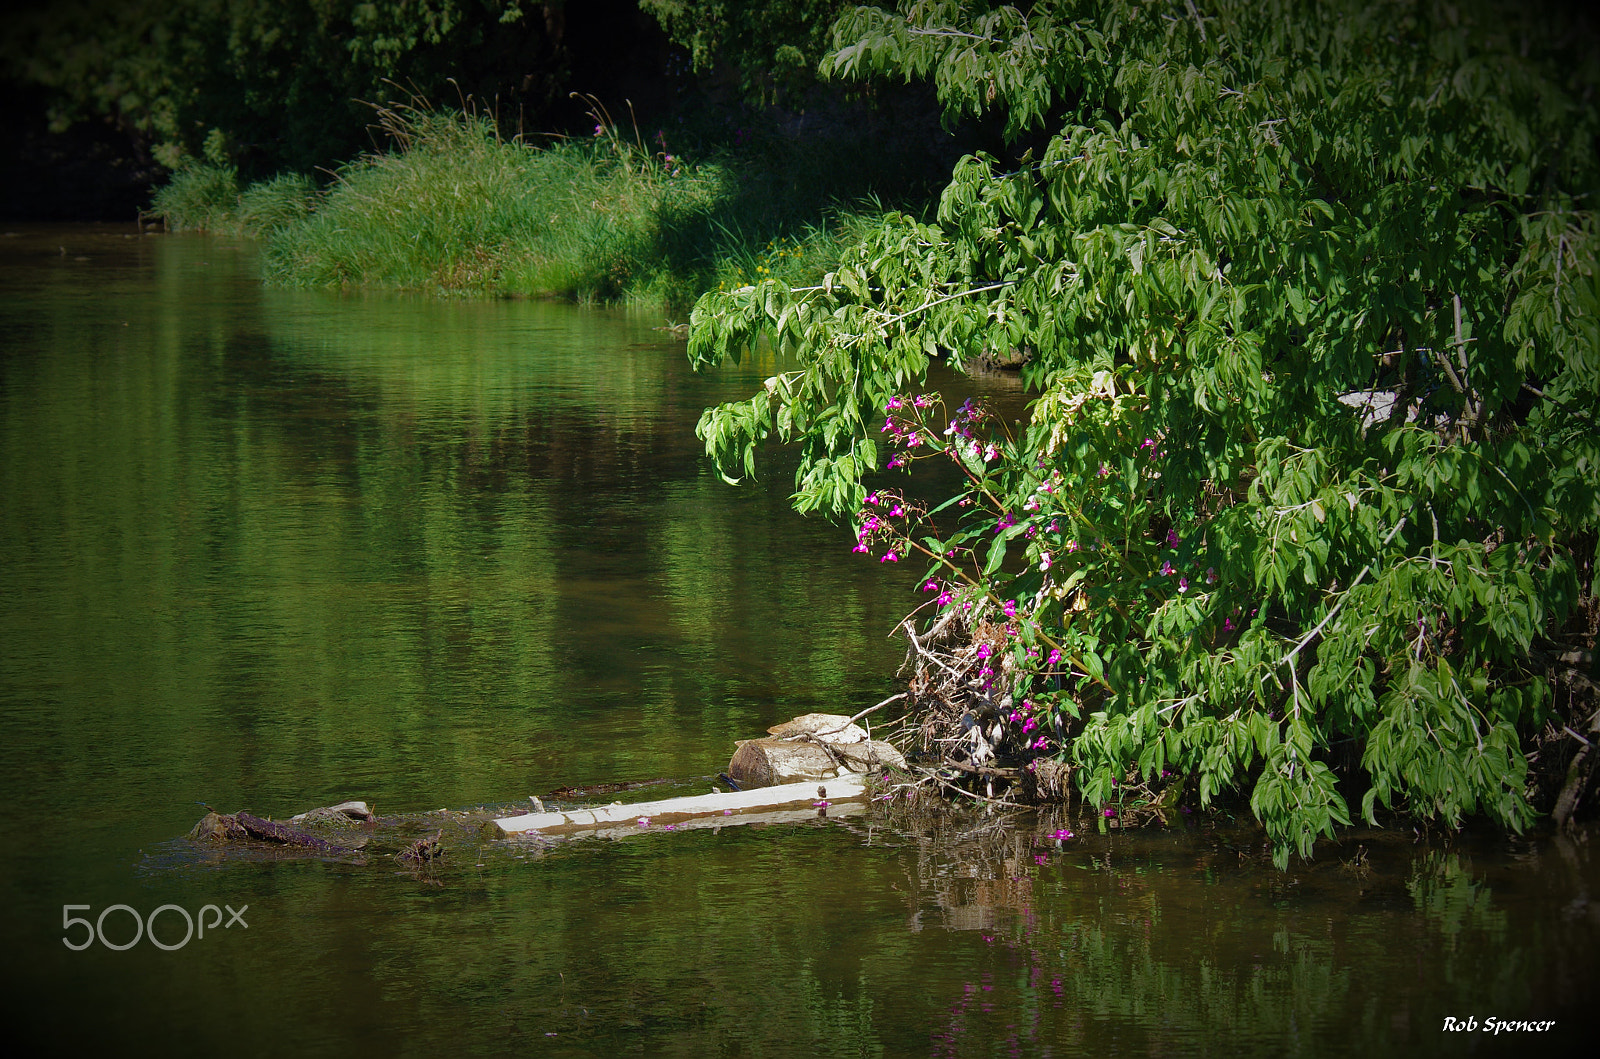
[[200, 198], [270, 205], [206, 198], [455, 209]]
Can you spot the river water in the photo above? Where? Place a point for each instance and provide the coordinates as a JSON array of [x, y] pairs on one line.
[[268, 550]]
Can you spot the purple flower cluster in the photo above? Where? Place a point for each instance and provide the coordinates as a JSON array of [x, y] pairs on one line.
[[903, 423], [968, 415]]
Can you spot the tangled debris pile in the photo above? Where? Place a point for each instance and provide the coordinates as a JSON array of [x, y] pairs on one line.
[[973, 732], [962, 727]]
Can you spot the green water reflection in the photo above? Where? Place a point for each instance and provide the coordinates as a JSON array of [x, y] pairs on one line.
[[268, 550]]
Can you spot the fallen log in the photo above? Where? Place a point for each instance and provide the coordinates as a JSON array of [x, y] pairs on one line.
[[225, 827], [217, 827], [773, 761], [270, 831], [790, 802]]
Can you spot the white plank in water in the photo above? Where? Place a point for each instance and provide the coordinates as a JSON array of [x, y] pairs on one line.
[[762, 804]]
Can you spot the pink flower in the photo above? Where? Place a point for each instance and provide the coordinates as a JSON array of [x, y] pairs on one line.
[[1062, 834], [1166, 567], [896, 511], [1041, 859], [983, 650], [1044, 560], [862, 547], [820, 805], [892, 403], [1109, 813], [1010, 608], [889, 557], [1055, 656], [1172, 538], [930, 586], [1040, 743], [1211, 575], [1183, 584], [1029, 725]]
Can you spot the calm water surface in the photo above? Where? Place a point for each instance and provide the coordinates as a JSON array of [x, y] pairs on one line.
[[269, 550]]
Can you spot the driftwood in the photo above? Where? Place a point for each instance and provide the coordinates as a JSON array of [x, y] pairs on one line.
[[218, 827], [815, 746], [788, 803], [771, 762], [820, 727], [223, 827]]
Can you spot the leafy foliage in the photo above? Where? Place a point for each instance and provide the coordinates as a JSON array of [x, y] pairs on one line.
[[770, 44], [1307, 297], [273, 84]]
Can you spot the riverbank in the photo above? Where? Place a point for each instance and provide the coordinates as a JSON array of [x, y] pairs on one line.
[[454, 208]]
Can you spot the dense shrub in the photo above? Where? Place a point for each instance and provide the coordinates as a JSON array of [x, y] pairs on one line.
[[199, 197], [1306, 293]]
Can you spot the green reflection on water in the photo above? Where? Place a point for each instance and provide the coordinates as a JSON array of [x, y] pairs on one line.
[[269, 550]]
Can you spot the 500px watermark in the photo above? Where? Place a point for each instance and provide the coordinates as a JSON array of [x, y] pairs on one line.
[[1470, 1024], [144, 927]]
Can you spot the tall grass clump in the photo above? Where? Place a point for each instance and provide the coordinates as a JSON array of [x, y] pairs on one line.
[[268, 205], [454, 208], [200, 197]]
